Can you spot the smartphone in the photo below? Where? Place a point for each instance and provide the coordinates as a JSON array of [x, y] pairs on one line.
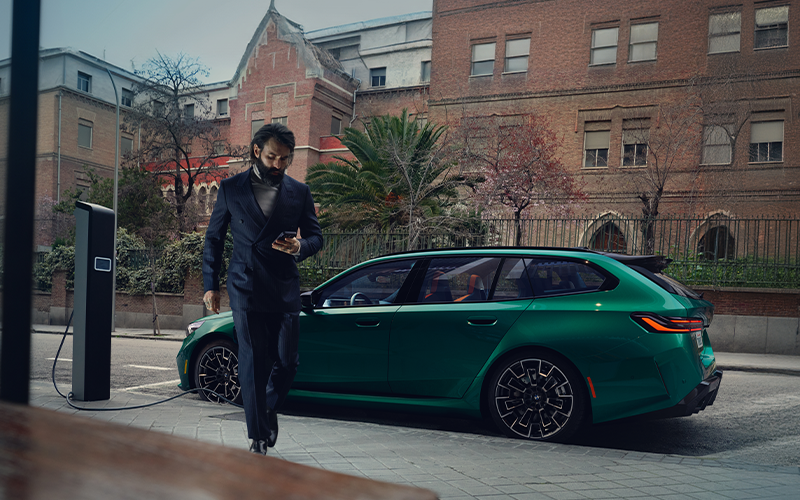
[[286, 234]]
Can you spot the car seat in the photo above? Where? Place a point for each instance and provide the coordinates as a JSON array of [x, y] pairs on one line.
[[440, 289], [475, 290]]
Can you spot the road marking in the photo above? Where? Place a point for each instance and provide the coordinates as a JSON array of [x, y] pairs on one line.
[[60, 359], [157, 384], [151, 367]]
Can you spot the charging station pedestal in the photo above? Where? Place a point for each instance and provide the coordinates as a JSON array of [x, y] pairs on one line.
[[94, 289]]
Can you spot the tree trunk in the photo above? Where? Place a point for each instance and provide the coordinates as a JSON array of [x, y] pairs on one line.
[[517, 229], [650, 213]]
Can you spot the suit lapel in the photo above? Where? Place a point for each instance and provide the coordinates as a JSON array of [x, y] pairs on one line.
[[249, 203]]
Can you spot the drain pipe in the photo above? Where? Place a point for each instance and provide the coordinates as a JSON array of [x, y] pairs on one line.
[[354, 103], [58, 161]]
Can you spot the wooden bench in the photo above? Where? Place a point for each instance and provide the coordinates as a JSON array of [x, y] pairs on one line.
[[46, 454]]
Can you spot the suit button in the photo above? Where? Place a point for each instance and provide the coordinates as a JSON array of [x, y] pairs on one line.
[[241, 221]]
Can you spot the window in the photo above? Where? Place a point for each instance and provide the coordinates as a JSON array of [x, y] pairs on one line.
[[772, 27], [379, 284], [158, 108], [459, 279], [85, 134], [426, 72], [254, 126], [634, 147], [125, 145], [553, 277], [604, 46], [644, 38], [517, 55], [188, 111], [283, 120], [377, 77], [219, 148], [716, 145], [482, 59], [766, 141], [127, 98], [724, 32], [513, 282], [336, 125], [84, 82], [222, 107], [596, 148]]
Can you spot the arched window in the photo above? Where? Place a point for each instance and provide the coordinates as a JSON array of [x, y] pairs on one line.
[[212, 198], [716, 244], [609, 238]]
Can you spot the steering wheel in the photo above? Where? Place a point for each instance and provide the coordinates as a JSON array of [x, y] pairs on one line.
[[359, 296]]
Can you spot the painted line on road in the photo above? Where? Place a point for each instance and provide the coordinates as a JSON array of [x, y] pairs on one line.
[[157, 384], [60, 359], [151, 367]]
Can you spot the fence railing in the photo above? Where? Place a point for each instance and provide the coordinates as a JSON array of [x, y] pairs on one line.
[[714, 251]]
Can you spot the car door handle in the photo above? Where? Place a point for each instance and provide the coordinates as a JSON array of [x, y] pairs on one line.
[[482, 320], [367, 322]]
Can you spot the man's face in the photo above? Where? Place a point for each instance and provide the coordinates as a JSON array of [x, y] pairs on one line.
[[275, 157]]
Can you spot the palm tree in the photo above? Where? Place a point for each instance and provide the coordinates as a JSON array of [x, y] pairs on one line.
[[401, 176]]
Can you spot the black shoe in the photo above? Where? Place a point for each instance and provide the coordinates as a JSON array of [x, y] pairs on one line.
[[259, 446], [273, 428]]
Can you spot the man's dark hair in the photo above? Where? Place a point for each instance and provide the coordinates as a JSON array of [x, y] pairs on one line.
[[276, 131]]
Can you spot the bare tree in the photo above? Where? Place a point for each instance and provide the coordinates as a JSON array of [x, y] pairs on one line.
[[181, 143]]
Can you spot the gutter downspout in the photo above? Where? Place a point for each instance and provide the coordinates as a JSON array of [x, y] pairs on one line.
[[58, 156], [354, 103]]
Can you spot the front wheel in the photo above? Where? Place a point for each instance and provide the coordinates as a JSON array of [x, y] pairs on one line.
[[537, 396], [217, 370]]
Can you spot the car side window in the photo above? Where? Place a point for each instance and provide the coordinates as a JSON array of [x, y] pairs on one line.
[[552, 277], [458, 279], [513, 282], [378, 284]]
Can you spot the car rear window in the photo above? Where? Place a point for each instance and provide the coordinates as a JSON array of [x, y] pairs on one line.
[[668, 283]]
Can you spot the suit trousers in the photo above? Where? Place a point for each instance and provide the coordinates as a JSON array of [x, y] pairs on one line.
[[268, 361]]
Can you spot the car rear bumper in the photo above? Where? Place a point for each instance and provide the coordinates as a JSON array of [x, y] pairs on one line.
[[696, 401]]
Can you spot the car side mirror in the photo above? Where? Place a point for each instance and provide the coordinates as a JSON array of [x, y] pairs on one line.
[[307, 302]]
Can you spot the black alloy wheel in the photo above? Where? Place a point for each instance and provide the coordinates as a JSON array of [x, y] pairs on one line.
[[217, 369], [537, 396]]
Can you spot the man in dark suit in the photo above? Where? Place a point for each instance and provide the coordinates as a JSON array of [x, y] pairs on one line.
[[263, 281]]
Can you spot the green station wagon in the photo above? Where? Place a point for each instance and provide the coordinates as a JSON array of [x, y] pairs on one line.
[[539, 340]]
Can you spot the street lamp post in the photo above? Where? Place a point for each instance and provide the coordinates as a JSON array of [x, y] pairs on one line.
[[116, 183]]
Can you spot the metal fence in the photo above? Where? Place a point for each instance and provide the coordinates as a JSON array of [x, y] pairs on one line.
[[715, 251]]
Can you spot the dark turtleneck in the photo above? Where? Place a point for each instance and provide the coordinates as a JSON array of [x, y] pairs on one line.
[[265, 188]]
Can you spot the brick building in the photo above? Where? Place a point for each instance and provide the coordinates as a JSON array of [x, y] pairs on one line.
[[606, 74]]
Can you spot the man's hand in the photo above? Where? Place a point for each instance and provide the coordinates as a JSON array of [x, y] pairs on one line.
[[211, 301], [289, 245]]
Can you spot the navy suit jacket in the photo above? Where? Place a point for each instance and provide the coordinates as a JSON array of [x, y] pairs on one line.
[[260, 278]]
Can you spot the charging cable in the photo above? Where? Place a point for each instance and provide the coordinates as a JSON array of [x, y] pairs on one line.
[[69, 396]]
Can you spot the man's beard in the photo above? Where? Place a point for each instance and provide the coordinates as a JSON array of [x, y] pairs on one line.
[[271, 175]]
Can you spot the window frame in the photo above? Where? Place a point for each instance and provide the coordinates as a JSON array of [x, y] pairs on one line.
[[516, 57], [724, 34], [283, 120], [126, 99], [425, 72], [474, 61], [596, 150], [595, 48], [639, 134], [122, 150], [769, 144], [335, 119], [770, 27], [188, 110], [708, 134], [254, 128], [86, 125], [219, 102], [632, 43], [375, 73], [87, 79]]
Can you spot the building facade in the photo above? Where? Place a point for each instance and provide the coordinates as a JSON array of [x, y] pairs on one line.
[[614, 77]]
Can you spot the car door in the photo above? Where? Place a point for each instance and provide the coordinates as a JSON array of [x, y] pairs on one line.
[[345, 339], [441, 340]]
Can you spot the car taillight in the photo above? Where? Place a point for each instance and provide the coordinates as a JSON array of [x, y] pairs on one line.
[[656, 323]]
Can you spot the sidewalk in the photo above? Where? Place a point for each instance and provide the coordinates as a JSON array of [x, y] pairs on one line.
[[453, 464]]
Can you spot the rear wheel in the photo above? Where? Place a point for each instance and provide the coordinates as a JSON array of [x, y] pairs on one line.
[[537, 395], [217, 369]]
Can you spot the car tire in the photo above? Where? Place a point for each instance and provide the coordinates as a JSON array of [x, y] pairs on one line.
[[217, 369], [538, 396]]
